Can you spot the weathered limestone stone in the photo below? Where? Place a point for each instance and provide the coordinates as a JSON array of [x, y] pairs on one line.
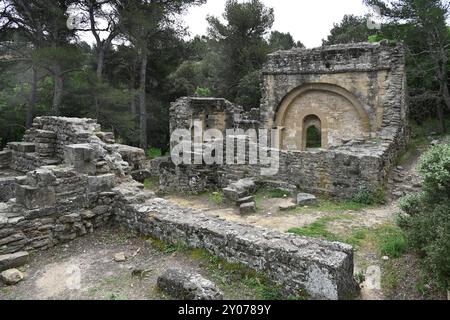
[[13, 260], [287, 206], [187, 285], [101, 183], [35, 197], [245, 200], [247, 208], [5, 159], [7, 188], [11, 276], [23, 147], [81, 156], [134, 156], [234, 195], [120, 257], [304, 199]]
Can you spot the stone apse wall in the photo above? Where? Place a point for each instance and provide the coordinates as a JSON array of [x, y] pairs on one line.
[[69, 178], [354, 95]]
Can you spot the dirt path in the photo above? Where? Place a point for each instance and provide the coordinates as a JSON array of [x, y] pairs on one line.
[[85, 269]]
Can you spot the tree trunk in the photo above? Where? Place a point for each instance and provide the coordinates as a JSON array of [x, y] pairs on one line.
[[100, 63], [440, 116], [142, 102], [32, 101], [57, 92]]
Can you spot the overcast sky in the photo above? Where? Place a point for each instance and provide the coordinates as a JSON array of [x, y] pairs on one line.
[[307, 20]]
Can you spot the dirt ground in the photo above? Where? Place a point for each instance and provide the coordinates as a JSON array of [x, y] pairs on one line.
[[85, 269]]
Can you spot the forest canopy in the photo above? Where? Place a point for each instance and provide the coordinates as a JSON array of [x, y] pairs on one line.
[[141, 59]]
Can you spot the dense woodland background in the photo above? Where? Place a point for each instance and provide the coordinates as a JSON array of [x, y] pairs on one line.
[[141, 60]]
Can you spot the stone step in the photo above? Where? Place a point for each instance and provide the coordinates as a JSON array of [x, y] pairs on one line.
[[13, 260], [245, 200], [247, 208]]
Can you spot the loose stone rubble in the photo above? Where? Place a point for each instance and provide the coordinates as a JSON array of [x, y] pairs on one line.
[[11, 276], [85, 183], [186, 285]]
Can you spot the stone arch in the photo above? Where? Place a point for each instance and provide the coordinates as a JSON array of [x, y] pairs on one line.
[[345, 97]]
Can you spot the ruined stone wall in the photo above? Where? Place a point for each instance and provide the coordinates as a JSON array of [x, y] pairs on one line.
[[54, 205], [321, 269], [7, 188], [358, 94], [371, 77], [55, 185]]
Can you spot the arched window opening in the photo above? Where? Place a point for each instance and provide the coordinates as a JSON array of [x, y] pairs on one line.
[[313, 132]]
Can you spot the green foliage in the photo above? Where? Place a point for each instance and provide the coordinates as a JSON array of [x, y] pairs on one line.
[[217, 197], [282, 41], [426, 218], [202, 92], [153, 153], [351, 29], [318, 229], [366, 197], [375, 38], [392, 241], [360, 277], [313, 137], [151, 183], [332, 205]]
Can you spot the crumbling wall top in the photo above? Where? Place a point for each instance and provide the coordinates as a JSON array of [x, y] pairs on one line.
[[361, 57]]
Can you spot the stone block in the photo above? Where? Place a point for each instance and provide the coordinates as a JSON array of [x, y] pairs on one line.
[[287, 206], [304, 199], [23, 147], [101, 183], [13, 260], [245, 200], [185, 285], [247, 208], [35, 197], [234, 195], [5, 159], [78, 153], [11, 276]]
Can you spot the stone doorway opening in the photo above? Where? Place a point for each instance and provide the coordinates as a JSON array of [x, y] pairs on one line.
[[312, 132]]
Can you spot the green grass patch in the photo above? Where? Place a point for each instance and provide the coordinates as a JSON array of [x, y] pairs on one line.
[[153, 153], [266, 193], [318, 229], [216, 197], [151, 183], [392, 241], [331, 206]]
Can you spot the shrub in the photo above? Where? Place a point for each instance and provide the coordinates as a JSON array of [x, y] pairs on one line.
[[154, 153], [202, 92], [392, 241], [427, 215], [369, 198]]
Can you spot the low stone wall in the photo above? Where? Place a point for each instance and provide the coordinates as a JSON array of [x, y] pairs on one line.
[[5, 159], [322, 269], [54, 205], [7, 188], [338, 172]]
